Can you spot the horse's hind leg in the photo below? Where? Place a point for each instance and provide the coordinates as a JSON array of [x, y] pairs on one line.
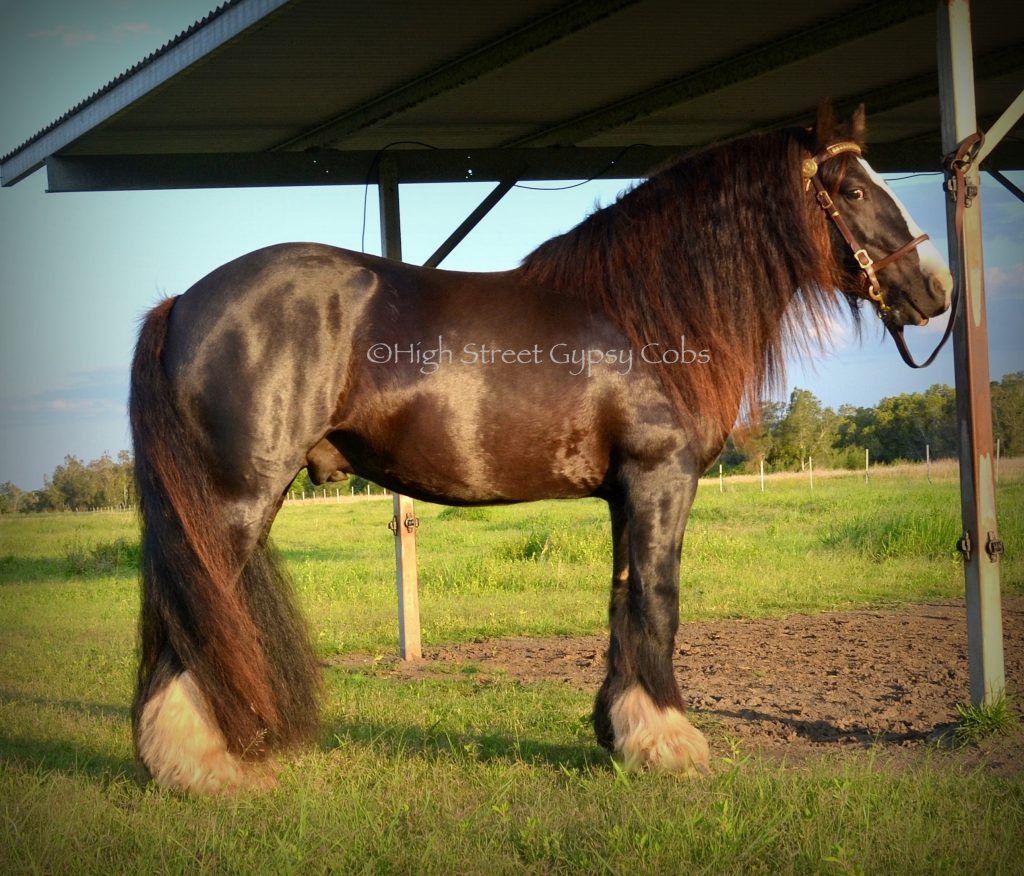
[[180, 735], [640, 712], [226, 673], [179, 742]]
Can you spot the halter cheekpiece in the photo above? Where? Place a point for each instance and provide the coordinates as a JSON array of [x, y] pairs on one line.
[[868, 267]]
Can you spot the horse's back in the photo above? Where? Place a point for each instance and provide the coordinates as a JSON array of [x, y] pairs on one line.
[[293, 286]]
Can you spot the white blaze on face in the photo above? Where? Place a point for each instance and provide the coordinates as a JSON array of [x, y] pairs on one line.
[[932, 263]]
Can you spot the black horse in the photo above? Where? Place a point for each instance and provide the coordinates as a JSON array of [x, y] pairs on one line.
[[613, 362]]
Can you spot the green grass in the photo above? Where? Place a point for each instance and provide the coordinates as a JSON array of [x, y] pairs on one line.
[[482, 775], [983, 721]]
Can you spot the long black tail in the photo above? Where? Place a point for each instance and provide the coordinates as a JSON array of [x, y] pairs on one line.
[[230, 621]]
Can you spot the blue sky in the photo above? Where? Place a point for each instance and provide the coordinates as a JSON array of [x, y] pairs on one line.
[[78, 270]]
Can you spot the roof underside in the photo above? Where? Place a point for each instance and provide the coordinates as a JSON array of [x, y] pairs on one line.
[[271, 92]]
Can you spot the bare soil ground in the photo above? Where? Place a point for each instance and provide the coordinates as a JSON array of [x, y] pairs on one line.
[[797, 684]]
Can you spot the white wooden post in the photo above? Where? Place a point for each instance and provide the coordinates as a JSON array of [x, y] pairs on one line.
[[762, 474], [810, 469], [404, 521], [721, 479]]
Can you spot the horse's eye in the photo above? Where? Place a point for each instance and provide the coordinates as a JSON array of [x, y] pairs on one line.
[[856, 194]]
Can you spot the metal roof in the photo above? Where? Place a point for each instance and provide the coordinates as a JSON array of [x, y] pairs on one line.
[[266, 92]]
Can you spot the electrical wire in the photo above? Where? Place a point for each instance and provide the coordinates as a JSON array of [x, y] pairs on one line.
[[369, 178], [376, 161]]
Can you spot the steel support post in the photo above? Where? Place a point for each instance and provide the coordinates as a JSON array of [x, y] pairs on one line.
[[980, 543], [404, 522]]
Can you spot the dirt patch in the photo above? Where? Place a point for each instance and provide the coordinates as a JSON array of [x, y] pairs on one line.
[[888, 678]]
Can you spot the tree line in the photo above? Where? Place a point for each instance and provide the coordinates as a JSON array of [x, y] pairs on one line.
[[898, 428], [77, 486]]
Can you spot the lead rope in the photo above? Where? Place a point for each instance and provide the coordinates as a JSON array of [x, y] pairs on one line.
[[956, 165]]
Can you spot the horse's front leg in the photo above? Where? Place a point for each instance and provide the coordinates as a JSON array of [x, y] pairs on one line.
[[640, 713]]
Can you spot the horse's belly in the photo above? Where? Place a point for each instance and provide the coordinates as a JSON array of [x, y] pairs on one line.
[[491, 464]]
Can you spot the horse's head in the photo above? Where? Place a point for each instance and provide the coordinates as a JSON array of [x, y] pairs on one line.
[[886, 257]]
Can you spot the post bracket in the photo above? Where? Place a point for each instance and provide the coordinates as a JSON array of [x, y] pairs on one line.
[[994, 547], [410, 523], [964, 545]]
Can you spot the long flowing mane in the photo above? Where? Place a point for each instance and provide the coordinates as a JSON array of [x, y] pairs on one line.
[[721, 248]]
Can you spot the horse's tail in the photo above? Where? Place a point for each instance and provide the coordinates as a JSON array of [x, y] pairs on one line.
[[228, 621]]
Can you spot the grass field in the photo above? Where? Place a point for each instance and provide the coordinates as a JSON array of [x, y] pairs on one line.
[[455, 775]]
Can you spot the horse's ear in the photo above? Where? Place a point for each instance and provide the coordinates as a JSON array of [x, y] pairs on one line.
[[858, 126], [825, 124]]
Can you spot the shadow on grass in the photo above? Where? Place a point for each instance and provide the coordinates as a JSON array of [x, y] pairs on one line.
[[822, 732], [64, 755], [476, 747], [101, 710], [58, 570], [33, 570]]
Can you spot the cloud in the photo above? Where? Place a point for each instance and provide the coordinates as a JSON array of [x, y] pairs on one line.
[[76, 405], [69, 36], [129, 29], [90, 394], [1010, 278]]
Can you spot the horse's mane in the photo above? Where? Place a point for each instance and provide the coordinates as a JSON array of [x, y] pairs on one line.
[[723, 248]]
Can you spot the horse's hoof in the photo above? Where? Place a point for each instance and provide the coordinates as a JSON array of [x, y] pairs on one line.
[[650, 737], [183, 750]]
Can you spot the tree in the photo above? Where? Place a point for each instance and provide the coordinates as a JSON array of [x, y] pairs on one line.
[[808, 429], [102, 483], [905, 424], [302, 484], [11, 498], [1008, 412]]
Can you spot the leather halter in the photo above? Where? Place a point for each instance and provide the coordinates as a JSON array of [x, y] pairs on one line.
[[868, 267]]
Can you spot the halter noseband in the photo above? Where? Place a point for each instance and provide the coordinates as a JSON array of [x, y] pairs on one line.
[[868, 266]]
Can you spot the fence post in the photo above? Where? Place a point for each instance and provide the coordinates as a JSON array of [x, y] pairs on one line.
[[928, 461], [721, 480], [404, 520], [810, 468], [762, 474], [867, 460]]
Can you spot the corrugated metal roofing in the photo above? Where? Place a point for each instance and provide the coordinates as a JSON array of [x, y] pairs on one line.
[[263, 77]]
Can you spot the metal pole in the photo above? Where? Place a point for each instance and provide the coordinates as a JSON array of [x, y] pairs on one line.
[[471, 221], [980, 542], [1002, 126], [404, 521], [1005, 183]]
